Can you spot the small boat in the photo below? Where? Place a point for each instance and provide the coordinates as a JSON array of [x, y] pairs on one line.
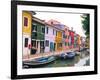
[[70, 55], [67, 55], [38, 62], [62, 56]]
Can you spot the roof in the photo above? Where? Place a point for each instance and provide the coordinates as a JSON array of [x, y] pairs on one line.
[[56, 24], [31, 12], [38, 20]]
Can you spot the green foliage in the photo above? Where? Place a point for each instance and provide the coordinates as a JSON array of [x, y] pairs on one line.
[[86, 24]]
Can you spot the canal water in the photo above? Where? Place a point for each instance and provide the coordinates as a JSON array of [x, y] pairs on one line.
[[83, 59], [80, 60]]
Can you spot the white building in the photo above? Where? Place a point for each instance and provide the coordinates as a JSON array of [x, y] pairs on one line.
[[50, 34]]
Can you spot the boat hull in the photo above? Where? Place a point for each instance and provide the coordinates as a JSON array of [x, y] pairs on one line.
[[67, 56], [35, 63]]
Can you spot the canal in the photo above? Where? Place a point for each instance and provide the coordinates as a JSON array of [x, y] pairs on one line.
[[79, 60], [82, 59]]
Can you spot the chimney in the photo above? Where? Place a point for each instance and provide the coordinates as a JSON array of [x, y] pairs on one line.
[[51, 22]]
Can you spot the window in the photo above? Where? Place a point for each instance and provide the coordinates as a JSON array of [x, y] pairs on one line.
[[34, 28], [67, 36], [34, 35], [43, 30], [47, 30], [26, 42], [47, 43], [25, 21], [56, 33], [53, 31], [33, 43], [65, 43], [59, 44], [42, 44], [64, 36]]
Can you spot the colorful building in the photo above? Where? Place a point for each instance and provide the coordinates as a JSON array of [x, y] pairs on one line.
[[58, 40], [71, 38], [66, 38], [79, 41], [83, 41], [59, 31], [26, 31], [38, 35], [75, 40], [50, 33], [43, 37]]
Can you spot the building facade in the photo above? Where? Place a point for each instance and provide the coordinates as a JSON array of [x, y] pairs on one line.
[[50, 33], [38, 35], [58, 38], [75, 40], [66, 38], [44, 37], [79, 41], [26, 31]]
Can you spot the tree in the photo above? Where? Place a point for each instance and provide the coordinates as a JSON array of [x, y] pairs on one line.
[[86, 24], [86, 27]]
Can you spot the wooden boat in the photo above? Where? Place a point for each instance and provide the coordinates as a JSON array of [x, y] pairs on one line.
[[38, 62]]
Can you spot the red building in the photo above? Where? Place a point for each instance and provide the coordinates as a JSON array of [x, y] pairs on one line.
[[71, 38], [66, 38]]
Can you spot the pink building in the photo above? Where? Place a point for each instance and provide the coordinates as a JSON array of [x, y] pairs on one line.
[[66, 38]]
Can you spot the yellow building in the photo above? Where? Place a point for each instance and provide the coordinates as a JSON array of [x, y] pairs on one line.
[[79, 40], [58, 40], [27, 22], [26, 31]]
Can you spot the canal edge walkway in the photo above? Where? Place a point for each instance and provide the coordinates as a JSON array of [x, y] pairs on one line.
[[29, 57]]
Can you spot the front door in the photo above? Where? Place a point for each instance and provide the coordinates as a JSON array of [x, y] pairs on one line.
[[42, 47], [51, 46], [33, 49], [54, 46], [38, 46]]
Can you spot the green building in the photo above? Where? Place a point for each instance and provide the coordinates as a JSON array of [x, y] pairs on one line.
[[38, 35]]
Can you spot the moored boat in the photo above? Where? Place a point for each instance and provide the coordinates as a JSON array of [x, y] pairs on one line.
[[63, 56], [70, 55], [67, 55], [38, 62]]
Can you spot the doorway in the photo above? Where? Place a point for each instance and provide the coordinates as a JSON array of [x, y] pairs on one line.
[[42, 48], [33, 49], [38, 46]]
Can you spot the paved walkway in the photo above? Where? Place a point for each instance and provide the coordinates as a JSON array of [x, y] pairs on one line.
[[28, 57]]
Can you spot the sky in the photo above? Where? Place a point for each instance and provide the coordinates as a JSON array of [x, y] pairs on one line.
[[68, 19]]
